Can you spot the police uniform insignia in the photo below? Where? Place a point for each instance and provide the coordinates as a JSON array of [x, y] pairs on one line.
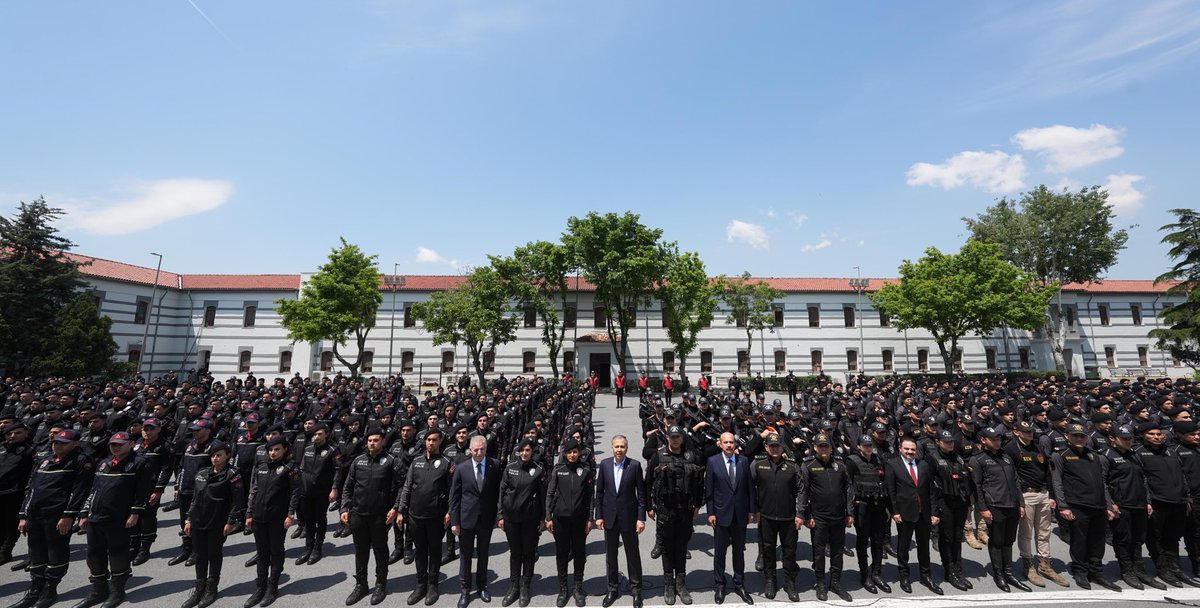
[[278, 469], [87, 465], [579, 472], [437, 463]]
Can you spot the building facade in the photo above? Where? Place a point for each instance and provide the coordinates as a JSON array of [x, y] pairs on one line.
[[228, 324]]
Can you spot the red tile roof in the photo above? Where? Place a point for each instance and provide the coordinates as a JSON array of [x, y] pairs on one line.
[[290, 282], [120, 271]]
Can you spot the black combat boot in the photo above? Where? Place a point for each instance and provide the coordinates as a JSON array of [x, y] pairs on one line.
[[97, 596]]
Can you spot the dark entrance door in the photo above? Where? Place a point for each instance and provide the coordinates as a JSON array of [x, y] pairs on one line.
[[601, 363]]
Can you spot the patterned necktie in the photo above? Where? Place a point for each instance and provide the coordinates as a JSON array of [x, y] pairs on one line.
[[732, 475], [479, 477]]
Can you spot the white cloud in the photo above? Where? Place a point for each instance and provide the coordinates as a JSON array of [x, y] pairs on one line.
[[816, 246], [752, 234], [426, 255], [797, 218], [1124, 198], [152, 203], [991, 171], [1068, 148]]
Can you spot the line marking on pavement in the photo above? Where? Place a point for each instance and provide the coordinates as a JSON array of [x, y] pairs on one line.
[[971, 599]]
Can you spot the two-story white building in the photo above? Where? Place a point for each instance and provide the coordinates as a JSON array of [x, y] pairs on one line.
[[228, 323]]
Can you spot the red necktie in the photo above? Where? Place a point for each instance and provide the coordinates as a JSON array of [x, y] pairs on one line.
[[912, 470]]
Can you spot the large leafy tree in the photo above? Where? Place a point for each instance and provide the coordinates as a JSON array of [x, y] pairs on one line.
[[1181, 336], [1055, 238], [36, 281], [337, 303], [971, 292], [688, 302], [476, 314], [536, 274], [625, 261], [79, 343], [749, 305]]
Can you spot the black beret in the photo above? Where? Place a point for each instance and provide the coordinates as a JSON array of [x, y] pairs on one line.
[[1149, 425], [570, 444], [1184, 427], [1057, 414]]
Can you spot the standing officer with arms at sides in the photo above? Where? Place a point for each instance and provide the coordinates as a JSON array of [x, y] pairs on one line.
[[1127, 486], [271, 509], [777, 486], [676, 485], [320, 464], [1032, 458], [196, 457], [621, 514], [868, 474], [916, 508], [1186, 436], [1001, 504], [217, 508], [826, 504], [16, 463], [619, 388], [153, 448], [731, 505], [522, 498], [1169, 503], [425, 503], [1080, 490], [474, 497], [368, 508], [118, 497], [57, 490], [952, 485], [569, 498]]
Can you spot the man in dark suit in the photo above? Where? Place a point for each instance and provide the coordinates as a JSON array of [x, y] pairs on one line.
[[732, 505], [474, 496], [915, 508], [621, 513]]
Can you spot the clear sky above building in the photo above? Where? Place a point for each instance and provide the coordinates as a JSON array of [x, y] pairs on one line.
[[783, 138]]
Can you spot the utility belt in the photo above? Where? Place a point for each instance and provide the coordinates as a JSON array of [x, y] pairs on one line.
[[1025, 488]]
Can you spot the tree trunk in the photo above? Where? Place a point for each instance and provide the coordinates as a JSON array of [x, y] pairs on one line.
[[683, 371], [476, 360], [749, 351], [353, 366], [947, 358], [1054, 334]]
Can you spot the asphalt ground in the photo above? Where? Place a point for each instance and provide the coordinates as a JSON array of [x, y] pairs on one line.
[[328, 582]]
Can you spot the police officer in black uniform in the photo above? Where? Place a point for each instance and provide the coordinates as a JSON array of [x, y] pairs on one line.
[[569, 496], [425, 503], [153, 448], [368, 508], [196, 456], [118, 498], [319, 467], [676, 484], [1127, 486], [1169, 502], [870, 513], [217, 508], [1001, 504], [275, 487], [1080, 492], [777, 482], [827, 506], [16, 463], [952, 480], [522, 498], [58, 488]]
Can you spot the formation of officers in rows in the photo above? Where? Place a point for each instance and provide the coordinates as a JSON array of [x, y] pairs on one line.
[[981, 461]]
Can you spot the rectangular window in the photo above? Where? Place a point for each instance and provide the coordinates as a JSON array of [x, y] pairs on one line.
[[205, 358], [990, 355], [248, 316], [528, 362], [923, 359], [244, 362], [1070, 313], [489, 360], [285, 362], [740, 320], [448, 362], [326, 361], [884, 319], [97, 299], [852, 360], [530, 318], [1103, 309], [631, 313], [781, 361], [706, 361], [743, 361], [778, 315], [599, 317], [410, 320], [1143, 357], [1136, 311], [1068, 359], [669, 361], [142, 312], [888, 363], [814, 316], [406, 361], [816, 361], [848, 313], [1110, 356], [368, 362], [1024, 354], [210, 315], [135, 355], [569, 361], [958, 359], [569, 316]]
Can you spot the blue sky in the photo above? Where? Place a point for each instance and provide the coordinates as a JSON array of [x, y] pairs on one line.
[[783, 138]]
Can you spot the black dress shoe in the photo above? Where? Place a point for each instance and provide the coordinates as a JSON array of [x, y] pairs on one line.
[[880, 583], [610, 598], [742, 593], [1082, 583], [464, 598], [1001, 585], [867, 585], [1103, 582], [1015, 582], [930, 585], [485, 595], [905, 586], [836, 588], [719, 595]]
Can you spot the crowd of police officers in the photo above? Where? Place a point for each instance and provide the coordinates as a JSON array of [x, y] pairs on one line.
[[982, 461]]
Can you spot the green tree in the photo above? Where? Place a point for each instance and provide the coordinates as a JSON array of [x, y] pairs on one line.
[[337, 302], [476, 314], [36, 281], [1056, 238], [749, 305], [536, 274], [80, 343], [688, 302], [1181, 336], [625, 262], [952, 295]]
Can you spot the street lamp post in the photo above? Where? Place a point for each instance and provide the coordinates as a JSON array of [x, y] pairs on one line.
[[859, 285], [146, 330], [395, 282]]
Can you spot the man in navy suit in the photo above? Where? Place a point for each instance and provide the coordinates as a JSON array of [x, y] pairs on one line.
[[621, 513], [474, 496], [732, 506], [916, 507]]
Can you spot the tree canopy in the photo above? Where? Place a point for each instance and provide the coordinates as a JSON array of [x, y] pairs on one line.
[[952, 295], [1181, 336], [688, 302], [749, 304], [536, 275], [337, 302], [79, 343]]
